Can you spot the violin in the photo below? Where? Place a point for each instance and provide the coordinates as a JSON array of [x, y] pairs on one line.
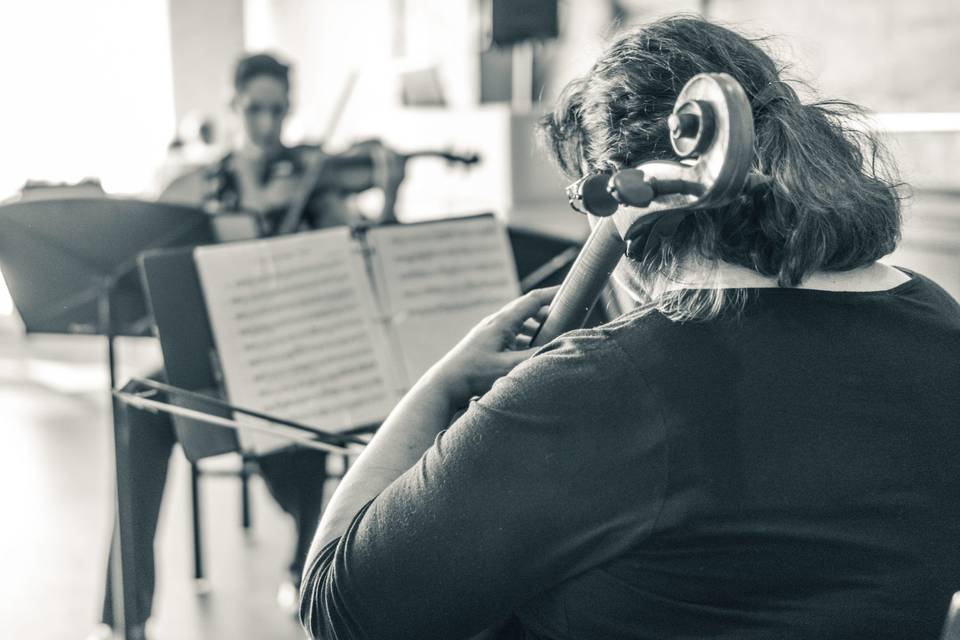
[[351, 172], [347, 173], [711, 131]]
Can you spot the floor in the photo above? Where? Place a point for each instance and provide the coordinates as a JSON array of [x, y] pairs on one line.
[[56, 508]]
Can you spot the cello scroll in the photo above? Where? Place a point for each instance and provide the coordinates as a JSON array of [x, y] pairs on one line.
[[711, 131]]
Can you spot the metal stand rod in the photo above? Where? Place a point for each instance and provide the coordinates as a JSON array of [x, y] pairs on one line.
[[135, 400], [122, 623], [245, 496]]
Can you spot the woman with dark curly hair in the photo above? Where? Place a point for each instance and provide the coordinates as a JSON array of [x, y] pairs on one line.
[[764, 448]]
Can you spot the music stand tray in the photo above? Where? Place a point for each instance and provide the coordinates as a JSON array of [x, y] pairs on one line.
[[67, 263]]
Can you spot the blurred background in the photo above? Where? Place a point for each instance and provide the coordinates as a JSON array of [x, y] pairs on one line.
[[97, 93]]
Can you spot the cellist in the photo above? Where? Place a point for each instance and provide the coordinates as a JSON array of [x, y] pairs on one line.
[[765, 447], [261, 175]]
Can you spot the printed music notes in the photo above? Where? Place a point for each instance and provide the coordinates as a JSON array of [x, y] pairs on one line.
[[329, 330], [296, 331], [438, 280]]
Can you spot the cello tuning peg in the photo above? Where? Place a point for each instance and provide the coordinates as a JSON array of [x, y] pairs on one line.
[[596, 197], [630, 187], [590, 195]]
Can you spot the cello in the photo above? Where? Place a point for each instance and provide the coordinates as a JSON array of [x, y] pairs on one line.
[[711, 131]]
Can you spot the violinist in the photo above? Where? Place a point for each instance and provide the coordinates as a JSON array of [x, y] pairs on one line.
[[261, 175], [765, 447]]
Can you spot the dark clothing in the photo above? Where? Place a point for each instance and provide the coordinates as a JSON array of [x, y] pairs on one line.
[[295, 478], [152, 438], [223, 184], [787, 473], [286, 170]]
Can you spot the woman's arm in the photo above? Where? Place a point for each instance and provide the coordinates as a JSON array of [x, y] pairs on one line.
[[468, 370], [538, 481]]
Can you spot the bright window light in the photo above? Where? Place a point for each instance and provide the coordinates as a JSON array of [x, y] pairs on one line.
[[88, 92]]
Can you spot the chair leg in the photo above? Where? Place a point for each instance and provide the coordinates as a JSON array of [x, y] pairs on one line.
[[197, 533], [245, 497]]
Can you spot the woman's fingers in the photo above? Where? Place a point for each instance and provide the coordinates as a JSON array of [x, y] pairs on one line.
[[530, 325], [513, 358], [522, 341], [501, 341], [513, 315]]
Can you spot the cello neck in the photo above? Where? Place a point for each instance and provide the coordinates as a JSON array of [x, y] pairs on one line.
[[582, 287]]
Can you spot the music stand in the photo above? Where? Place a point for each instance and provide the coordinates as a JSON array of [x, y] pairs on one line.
[[70, 267]]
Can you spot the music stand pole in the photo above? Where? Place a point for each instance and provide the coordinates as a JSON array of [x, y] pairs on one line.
[[122, 527], [70, 267]]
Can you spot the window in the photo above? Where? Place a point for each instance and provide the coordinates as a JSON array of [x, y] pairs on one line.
[[88, 92]]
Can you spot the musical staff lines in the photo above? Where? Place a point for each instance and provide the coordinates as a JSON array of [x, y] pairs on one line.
[[301, 333], [441, 279], [296, 331]]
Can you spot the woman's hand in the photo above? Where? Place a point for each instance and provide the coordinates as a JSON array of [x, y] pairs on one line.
[[492, 348]]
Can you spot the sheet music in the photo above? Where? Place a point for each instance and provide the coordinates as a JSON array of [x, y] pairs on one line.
[[438, 279], [298, 332]]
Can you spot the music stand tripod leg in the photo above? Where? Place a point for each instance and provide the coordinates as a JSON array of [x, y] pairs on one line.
[[122, 593]]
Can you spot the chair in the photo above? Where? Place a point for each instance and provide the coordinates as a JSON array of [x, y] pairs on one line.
[[175, 298], [247, 468], [176, 303], [181, 323]]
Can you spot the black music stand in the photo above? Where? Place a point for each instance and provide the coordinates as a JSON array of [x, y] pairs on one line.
[[203, 423], [70, 267]]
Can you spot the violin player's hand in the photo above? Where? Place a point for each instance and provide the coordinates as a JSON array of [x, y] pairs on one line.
[[389, 170], [496, 345]]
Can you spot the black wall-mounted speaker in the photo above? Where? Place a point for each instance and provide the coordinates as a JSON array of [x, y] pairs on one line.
[[513, 21]]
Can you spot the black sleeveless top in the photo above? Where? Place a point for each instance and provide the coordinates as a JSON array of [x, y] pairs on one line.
[[789, 473]]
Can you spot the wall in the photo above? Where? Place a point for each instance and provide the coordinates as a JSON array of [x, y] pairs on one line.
[[206, 41], [889, 55], [86, 92], [327, 42]]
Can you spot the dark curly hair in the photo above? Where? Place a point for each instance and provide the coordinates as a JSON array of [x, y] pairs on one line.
[[256, 65], [831, 205]]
